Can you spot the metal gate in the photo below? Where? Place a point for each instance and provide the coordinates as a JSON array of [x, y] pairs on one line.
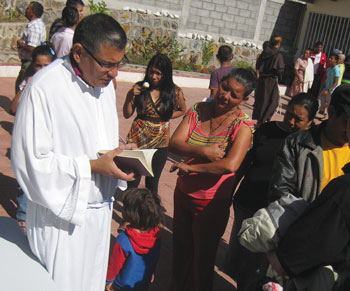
[[333, 31]]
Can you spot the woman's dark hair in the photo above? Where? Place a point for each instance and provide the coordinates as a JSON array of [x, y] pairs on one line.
[[246, 77], [224, 53], [166, 103], [44, 50], [97, 29], [306, 100], [142, 208], [74, 3], [70, 16]]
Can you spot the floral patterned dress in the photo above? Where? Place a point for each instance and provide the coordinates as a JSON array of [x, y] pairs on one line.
[[148, 131]]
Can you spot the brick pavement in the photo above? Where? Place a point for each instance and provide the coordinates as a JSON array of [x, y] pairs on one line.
[[8, 185]]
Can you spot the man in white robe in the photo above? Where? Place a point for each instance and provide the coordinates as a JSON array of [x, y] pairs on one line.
[[66, 115]]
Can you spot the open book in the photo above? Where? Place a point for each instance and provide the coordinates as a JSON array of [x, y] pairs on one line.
[[139, 161]]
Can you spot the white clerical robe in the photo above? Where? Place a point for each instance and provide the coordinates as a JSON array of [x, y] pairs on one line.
[[60, 125]]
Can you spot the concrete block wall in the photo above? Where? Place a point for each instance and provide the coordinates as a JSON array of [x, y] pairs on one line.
[[234, 18], [272, 10], [163, 4]]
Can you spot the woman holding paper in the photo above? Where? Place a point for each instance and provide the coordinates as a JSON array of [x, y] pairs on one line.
[[215, 136], [156, 100]]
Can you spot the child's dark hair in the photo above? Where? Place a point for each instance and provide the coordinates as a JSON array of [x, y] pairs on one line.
[[308, 101], [318, 43], [166, 103], [142, 208], [45, 49], [335, 56], [224, 53]]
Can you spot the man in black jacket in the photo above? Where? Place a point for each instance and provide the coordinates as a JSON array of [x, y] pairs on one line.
[[319, 237], [304, 166]]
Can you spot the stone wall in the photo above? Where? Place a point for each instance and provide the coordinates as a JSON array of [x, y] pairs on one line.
[[174, 5], [135, 24]]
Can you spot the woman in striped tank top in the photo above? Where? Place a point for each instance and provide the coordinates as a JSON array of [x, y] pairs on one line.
[[215, 136]]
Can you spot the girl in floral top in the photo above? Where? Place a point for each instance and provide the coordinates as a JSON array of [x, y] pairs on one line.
[[215, 136], [156, 100]]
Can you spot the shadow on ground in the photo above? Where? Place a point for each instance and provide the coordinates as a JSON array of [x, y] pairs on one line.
[[5, 102], [7, 125], [8, 194]]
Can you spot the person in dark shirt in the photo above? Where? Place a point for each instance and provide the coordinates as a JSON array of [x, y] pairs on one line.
[[246, 267], [270, 67], [319, 237], [225, 57]]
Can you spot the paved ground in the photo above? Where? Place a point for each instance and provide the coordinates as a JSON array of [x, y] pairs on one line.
[[8, 185]]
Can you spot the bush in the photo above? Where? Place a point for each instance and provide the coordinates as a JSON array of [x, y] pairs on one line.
[[100, 7], [208, 50], [146, 46], [243, 64], [12, 13], [190, 66]]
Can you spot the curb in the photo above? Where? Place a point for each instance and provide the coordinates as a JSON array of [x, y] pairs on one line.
[[132, 76], [11, 71]]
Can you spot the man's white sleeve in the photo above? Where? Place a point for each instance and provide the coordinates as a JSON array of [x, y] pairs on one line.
[[56, 181]]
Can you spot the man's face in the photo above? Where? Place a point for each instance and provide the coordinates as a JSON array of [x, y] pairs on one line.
[[318, 49], [28, 12], [338, 127], [90, 64]]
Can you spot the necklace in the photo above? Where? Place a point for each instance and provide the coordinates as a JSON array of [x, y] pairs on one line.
[[211, 130]]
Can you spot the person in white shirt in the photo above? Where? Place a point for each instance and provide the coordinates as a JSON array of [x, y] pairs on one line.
[[319, 60], [62, 40], [34, 33], [66, 115]]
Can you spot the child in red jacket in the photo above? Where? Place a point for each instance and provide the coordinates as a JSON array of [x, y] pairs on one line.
[[136, 251]]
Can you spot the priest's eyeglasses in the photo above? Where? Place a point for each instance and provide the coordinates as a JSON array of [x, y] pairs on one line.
[[107, 67]]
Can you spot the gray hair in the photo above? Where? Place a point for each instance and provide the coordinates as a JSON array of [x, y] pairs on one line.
[[342, 56]]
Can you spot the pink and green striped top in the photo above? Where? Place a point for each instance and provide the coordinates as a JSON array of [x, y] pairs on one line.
[[209, 186]]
